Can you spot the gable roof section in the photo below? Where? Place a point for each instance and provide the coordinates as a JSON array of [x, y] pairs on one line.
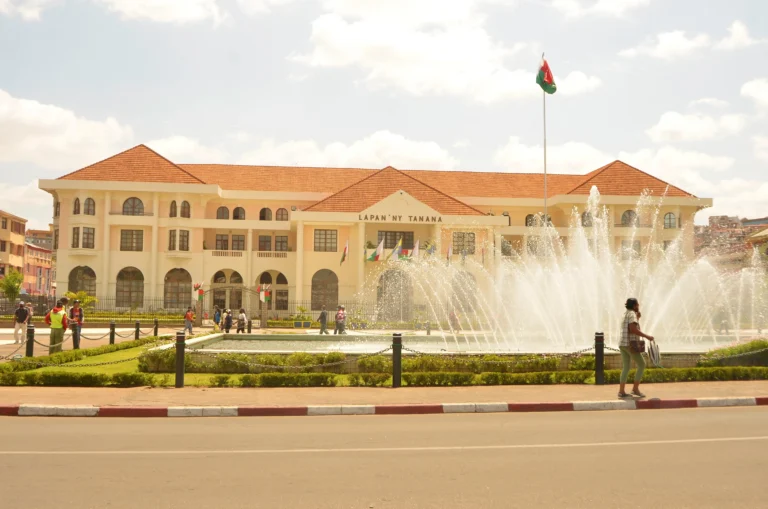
[[137, 164], [620, 179], [298, 179], [371, 190]]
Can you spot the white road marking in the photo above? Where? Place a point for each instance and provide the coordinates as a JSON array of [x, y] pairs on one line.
[[458, 448]]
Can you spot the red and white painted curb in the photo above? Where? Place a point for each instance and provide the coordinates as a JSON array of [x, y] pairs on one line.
[[444, 408]]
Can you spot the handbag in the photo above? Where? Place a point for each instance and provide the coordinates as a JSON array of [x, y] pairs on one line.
[[635, 345]]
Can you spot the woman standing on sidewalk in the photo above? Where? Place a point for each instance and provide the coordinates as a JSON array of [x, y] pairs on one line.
[[630, 347]]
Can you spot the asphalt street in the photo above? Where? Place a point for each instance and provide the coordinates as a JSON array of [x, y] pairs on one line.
[[670, 458]]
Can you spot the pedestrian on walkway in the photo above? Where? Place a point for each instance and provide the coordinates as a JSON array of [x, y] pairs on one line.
[[323, 319], [241, 319], [631, 345], [76, 317], [189, 317], [20, 321], [341, 319], [227, 320], [57, 320], [217, 316]]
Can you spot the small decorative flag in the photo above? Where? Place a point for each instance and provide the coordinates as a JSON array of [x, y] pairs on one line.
[[397, 251], [415, 250], [378, 254], [545, 79], [345, 253]]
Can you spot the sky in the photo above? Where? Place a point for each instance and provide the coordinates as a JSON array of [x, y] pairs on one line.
[[677, 88]]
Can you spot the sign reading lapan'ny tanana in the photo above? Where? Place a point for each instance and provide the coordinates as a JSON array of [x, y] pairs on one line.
[[393, 218]]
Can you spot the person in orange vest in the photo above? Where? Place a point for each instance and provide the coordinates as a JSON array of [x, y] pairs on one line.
[[57, 320]]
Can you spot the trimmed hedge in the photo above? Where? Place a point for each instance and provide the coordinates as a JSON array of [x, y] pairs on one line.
[[164, 361], [438, 379], [289, 380], [74, 379], [369, 379], [715, 357]]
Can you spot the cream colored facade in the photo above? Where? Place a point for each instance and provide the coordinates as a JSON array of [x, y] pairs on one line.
[[504, 220], [12, 229]]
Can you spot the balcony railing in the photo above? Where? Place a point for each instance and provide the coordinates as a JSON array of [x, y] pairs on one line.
[[271, 254], [145, 214], [227, 254]]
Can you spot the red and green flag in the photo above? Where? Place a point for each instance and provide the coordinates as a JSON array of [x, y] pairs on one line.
[[345, 253], [545, 79]]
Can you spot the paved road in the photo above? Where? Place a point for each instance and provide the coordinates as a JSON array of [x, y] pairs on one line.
[[673, 458]]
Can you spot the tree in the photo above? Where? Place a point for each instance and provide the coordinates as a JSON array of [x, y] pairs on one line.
[[10, 285], [87, 301]]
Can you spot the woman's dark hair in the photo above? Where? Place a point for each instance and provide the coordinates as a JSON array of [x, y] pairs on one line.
[[242, 310], [631, 303]]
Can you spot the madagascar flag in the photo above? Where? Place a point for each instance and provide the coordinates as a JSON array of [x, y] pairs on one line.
[[545, 79]]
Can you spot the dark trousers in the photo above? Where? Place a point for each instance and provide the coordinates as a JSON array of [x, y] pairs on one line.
[[323, 327], [76, 336]]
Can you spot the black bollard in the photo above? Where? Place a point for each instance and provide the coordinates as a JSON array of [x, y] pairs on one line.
[[397, 359], [180, 346], [112, 332], [75, 335], [30, 340], [137, 332], [250, 325], [599, 358], [157, 328]]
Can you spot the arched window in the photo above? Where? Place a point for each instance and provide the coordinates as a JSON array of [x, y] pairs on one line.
[[177, 291], [265, 214], [76, 206], [130, 288], [530, 220], [82, 279], [629, 218], [236, 278], [90, 207], [281, 215], [281, 279], [325, 290], [586, 219], [220, 277], [133, 207], [265, 278], [172, 212], [222, 213], [238, 213], [670, 221], [185, 211]]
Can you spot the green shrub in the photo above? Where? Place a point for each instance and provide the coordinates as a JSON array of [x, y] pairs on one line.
[[249, 381], [375, 364], [30, 378], [9, 378], [539, 378], [133, 380], [70, 379], [297, 380], [220, 380], [582, 363], [694, 374], [438, 379], [718, 357], [368, 379]]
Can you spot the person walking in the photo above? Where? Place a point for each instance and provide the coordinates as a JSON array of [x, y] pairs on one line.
[[227, 320], [241, 319], [631, 347], [217, 316], [189, 318], [57, 320], [20, 321], [76, 317], [323, 319], [341, 318]]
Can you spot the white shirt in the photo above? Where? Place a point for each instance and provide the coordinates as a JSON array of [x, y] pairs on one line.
[[629, 318]]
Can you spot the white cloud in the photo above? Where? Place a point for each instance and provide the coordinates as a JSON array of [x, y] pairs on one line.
[[378, 150], [168, 11], [29, 202], [463, 143], [27, 9], [571, 157], [674, 126], [761, 147], [53, 137], [757, 90], [709, 101], [181, 149], [427, 48], [255, 7], [738, 38], [617, 8], [668, 46]]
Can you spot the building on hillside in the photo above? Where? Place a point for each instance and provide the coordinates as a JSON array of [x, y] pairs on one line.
[[725, 241], [140, 229], [12, 230], [38, 263]]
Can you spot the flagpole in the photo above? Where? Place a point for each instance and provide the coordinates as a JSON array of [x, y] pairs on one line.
[[544, 102]]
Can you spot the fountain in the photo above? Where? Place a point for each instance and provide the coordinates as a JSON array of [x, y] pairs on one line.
[[554, 295]]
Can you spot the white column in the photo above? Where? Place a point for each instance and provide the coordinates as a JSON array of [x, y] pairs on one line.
[[360, 260], [299, 296], [249, 260], [154, 252], [104, 278]]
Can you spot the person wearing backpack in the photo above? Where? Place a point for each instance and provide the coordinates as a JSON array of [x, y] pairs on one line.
[[241, 320], [323, 319], [228, 321], [631, 347], [57, 320]]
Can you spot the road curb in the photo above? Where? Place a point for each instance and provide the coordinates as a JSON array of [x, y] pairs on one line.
[[404, 409]]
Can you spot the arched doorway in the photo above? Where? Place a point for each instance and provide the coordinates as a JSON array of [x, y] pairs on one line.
[[177, 290], [325, 290], [129, 292], [82, 279], [278, 290], [394, 296], [227, 288]]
